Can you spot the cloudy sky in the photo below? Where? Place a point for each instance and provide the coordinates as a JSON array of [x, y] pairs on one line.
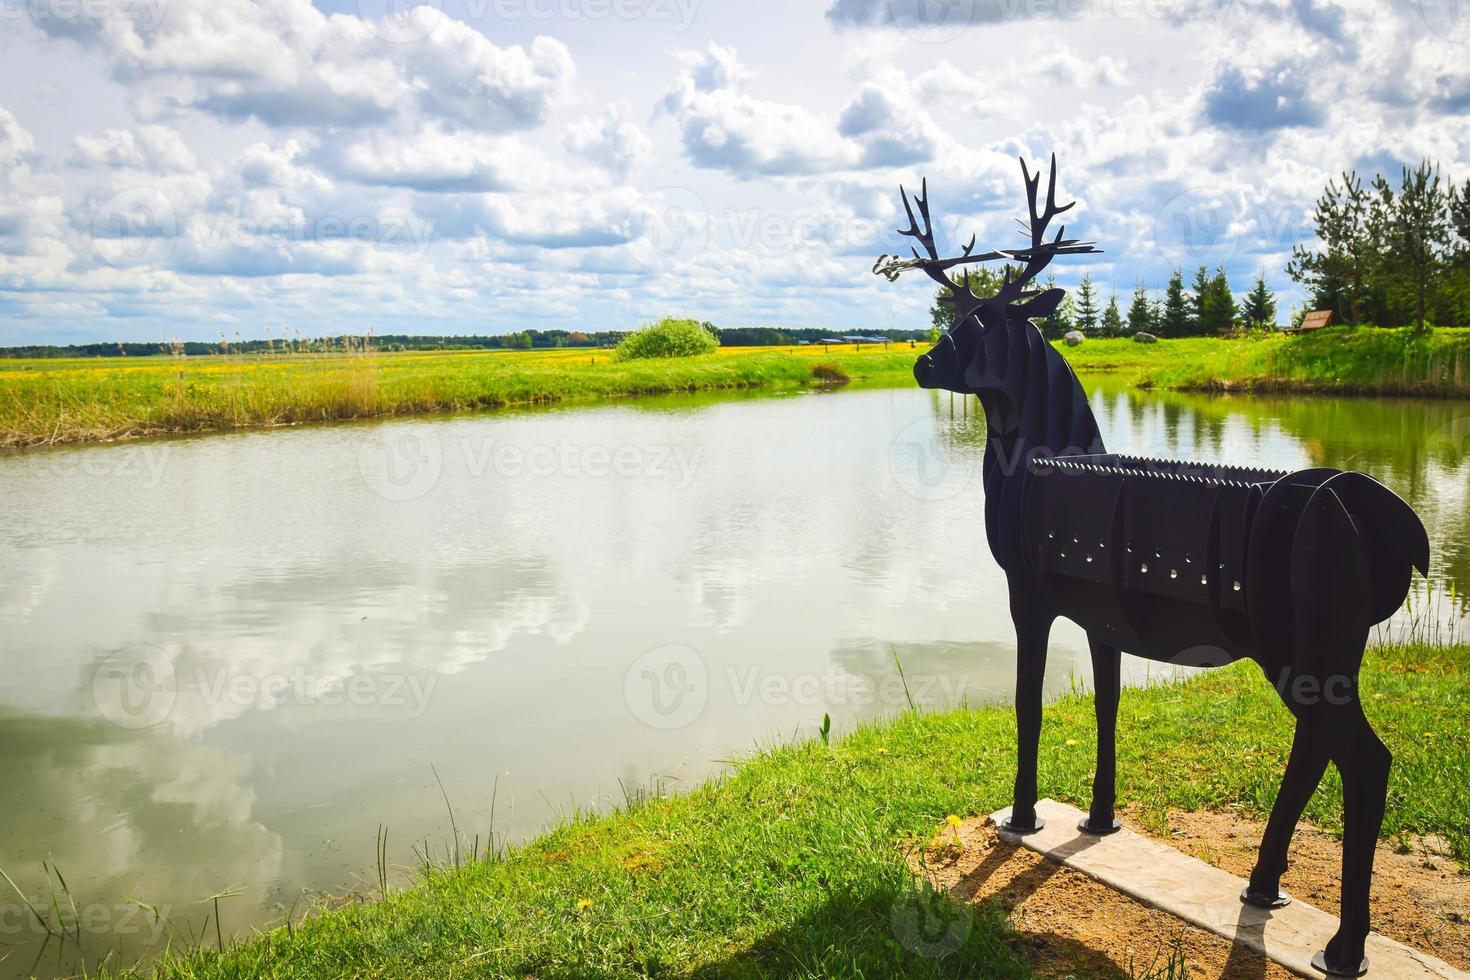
[[192, 168]]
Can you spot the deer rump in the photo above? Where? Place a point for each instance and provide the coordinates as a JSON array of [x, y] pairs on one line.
[[1202, 565]]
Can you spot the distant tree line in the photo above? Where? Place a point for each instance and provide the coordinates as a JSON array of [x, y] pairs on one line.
[[520, 340], [1390, 256]]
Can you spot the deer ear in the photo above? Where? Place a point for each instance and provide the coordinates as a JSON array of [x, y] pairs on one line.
[[1044, 305]]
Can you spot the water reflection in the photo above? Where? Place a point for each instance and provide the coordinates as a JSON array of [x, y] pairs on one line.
[[230, 659]]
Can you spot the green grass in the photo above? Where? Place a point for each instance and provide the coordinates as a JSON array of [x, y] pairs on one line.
[[1339, 360], [792, 864], [91, 399]]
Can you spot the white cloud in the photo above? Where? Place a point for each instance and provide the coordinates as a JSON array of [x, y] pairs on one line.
[[156, 148], [30, 209], [612, 140], [287, 64], [723, 128], [433, 159]]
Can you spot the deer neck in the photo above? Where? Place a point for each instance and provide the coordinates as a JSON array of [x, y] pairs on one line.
[[1033, 401]]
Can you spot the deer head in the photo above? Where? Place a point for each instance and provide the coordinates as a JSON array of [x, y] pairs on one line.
[[944, 365]]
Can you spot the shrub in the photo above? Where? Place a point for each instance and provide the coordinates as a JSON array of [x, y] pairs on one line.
[[668, 338], [829, 374]]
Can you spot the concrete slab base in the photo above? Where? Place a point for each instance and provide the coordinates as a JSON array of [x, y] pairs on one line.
[[1207, 897]]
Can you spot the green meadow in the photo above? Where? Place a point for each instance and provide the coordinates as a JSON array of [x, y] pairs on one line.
[[47, 401]]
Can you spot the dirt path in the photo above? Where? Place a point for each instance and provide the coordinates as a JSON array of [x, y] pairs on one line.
[[1074, 926]]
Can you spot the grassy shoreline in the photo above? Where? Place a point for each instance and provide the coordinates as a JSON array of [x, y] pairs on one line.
[[44, 402], [793, 864], [93, 400]]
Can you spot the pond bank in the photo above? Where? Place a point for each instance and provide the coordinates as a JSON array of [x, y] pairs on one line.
[[45, 402], [794, 863]]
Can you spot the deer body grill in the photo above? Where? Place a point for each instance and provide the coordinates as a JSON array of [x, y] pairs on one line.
[[1150, 553]]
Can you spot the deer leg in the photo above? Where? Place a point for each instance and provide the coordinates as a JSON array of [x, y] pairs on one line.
[[1303, 772], [1032, 630], [1106, 669], [1363, 760]]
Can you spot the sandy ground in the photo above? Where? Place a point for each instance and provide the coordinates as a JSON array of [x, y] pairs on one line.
[[1074, 927]]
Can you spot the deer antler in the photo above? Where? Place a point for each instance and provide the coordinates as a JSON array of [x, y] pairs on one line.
[[1036, 256], [890, 266], [1040, 254]]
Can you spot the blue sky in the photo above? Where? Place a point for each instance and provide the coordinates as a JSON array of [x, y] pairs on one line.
[[198, 168]]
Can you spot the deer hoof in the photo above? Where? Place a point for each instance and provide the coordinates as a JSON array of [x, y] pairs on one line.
[[1319, 962], [1267, 900], [1099, 830]]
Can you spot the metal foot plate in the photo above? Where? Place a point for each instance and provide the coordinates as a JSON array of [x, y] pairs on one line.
[[1320, 962], [1265, 900]]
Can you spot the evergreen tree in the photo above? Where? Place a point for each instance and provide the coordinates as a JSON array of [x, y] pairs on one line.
[[1112, 318], [1414, 229], [1260, 306], [1175, 319], [1199, 299], [1087, 312], [1217, 305], [1140, 311], [1339, 272], [982, 281], [1055, 326]]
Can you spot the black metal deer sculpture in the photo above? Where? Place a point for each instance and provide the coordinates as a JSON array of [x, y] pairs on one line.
[[1185, 563]]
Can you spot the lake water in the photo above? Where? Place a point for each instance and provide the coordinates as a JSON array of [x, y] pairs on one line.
[[229, 660]]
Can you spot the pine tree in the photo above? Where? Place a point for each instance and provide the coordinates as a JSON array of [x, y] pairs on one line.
[[1217, 305], [1087, 311], [1140, 311], [1112, 318], [1175, 319], [1259, 309], [982, 281], [1338, 274], [1415, 232], [1198, 301], [1055, 326]]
